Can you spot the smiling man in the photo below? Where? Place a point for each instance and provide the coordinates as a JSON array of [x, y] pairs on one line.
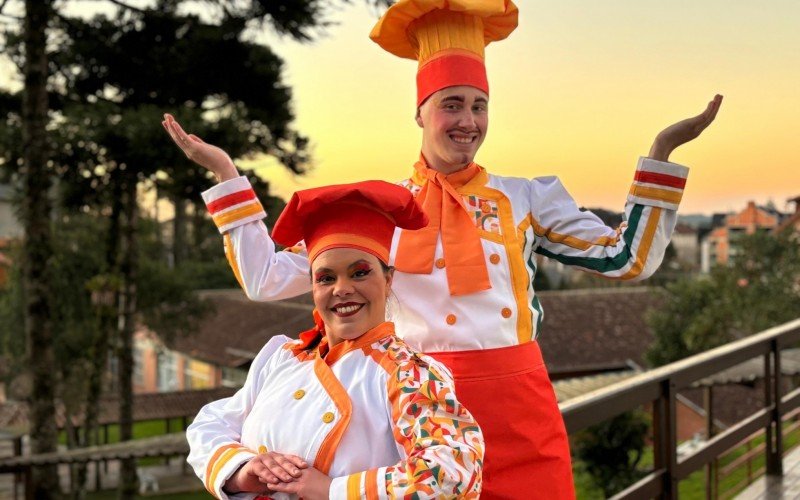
[[464, 283]]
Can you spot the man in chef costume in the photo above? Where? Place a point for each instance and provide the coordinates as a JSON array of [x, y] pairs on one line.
[[464, 284]]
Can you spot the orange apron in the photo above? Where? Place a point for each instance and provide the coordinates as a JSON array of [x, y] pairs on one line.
[[509, 393]]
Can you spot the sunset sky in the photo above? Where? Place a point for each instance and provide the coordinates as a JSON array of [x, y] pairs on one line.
[[579, 90]]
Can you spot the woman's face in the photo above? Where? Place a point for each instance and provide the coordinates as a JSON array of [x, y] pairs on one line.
[[350, 290]]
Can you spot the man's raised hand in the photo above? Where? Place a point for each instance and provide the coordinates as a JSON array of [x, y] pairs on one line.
[[684, 131]]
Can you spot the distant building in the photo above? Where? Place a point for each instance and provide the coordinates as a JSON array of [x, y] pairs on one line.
[[793, 221], [686, 243], [220, 351], [720, 245]]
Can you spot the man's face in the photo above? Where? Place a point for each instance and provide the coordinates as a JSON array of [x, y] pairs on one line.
[[454, 121]]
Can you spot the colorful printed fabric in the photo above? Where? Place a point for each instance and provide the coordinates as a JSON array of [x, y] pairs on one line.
[[442, 442]]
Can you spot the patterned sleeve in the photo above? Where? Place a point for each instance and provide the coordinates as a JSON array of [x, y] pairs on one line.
[[442, 443], [215, 449], [263, 273], [635, 249]]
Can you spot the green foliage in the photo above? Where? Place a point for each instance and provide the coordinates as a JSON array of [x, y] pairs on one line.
[[759, 290], [611, 452], [167, 303]]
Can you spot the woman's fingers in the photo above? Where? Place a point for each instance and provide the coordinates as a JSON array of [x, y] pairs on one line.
[[287, 465], [297, 461], [275, 463]]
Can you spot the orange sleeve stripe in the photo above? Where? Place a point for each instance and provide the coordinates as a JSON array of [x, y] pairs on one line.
[[239, 213], [231, 256], [372, 484], [215, 456], [644, 245], [657, 194], [220, 458]]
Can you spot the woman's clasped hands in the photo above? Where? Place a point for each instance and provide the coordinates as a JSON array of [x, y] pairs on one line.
[[274, 472]]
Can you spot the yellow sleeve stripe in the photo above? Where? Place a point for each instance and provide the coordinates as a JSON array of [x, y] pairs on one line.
[[657, 194], [572, 241], [219, 464], [239, 213], [354, 486], [231, 256], [644, 245]]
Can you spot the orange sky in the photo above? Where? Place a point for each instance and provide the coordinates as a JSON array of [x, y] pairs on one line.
[[579, 90]]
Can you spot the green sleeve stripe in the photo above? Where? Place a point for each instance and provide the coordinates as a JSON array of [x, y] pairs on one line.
[[603, 264]]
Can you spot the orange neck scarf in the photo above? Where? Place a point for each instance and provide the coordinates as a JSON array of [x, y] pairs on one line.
[[465, 263]]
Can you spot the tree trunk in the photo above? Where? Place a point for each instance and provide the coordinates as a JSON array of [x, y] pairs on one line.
[[129, 269], [37, 246], [178, 231]]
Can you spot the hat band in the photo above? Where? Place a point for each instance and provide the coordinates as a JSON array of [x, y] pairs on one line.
[[345, 240], [454, 67]]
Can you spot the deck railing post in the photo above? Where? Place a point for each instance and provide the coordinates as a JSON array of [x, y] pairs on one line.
[[665, 439], [772, 392], [709, 407]]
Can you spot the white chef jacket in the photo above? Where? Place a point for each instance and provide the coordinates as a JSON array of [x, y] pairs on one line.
[[380, 419], [515, 217]]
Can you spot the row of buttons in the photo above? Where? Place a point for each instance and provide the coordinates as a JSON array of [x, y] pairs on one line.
[[494, 259], [327, 417], [505, 312]]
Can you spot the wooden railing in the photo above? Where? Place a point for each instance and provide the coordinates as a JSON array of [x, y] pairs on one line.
[[660, 386]]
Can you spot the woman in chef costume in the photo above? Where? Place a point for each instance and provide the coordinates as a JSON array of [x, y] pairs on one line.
[[348, 410]]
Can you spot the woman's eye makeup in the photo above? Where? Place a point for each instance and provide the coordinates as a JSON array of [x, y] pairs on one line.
[[361, 270], [322, 277]]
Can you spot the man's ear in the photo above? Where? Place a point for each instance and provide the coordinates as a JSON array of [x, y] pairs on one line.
[[418, 118]]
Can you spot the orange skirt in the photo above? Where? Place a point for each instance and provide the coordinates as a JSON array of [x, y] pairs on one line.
[[509, 393]]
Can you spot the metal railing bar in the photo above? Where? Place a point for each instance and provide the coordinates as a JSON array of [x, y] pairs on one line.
[[579, 413], [791, 401], [643, 388], [646, 488], [723, 441]]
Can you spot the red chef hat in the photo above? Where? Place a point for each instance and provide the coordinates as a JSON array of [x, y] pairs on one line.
[[362, 215]]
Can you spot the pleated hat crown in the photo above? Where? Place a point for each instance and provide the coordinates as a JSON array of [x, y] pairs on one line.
[[447, 37]]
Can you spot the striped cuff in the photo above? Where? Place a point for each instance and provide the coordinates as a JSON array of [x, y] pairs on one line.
[[224, 463], [233, 203], [658, 184], [356, 486]]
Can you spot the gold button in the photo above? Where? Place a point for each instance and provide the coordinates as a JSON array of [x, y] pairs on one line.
[[494, 258], [506, 312], [262, 449], [299, 393], [485, 208], [451, 319], [440, 263], [328, 417]]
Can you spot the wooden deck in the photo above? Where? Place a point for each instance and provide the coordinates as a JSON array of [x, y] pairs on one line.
[[777, 487]]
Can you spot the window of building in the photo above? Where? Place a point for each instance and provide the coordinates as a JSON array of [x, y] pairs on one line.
[[167, 371]]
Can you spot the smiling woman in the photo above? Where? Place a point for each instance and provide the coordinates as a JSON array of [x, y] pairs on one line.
[[305, 423]]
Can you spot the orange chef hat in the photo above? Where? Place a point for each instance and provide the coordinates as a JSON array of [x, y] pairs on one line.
[[448, 38], [362, 215]]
